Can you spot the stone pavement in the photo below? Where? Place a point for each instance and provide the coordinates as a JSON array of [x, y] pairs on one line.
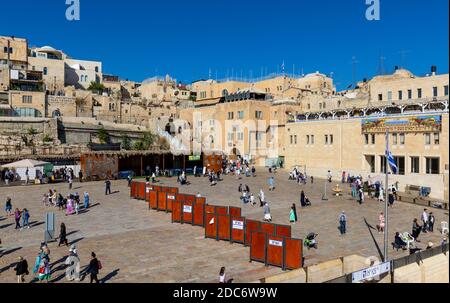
[[139, 245]]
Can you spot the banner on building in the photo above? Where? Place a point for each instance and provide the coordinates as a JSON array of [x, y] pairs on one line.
[[410, 124]]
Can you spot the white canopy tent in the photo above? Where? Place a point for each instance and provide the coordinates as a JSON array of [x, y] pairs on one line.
[[33, 166]]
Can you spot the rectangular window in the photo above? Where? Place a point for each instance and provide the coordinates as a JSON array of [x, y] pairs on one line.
[[415, 165], [402, 139], [240, 115], [241, 136], [295, 139], [380, 97], [373, 138], [427, 139], [409, 94], [307, 139], [230, 115], [291, 139], [27, 99], [436, 139], [446, 90], [432, 166], [258, 115], [331, 139], [400, 161], [326, 139], [45, 71], [366, 139], [400, 95], [419, 93], [382, 164], [435, 91], [312, 139], [394, 139]]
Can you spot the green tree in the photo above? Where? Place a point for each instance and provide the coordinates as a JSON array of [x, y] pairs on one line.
[[103, 136], [145, 142], [125, 142], [96, 87], [138, 145]]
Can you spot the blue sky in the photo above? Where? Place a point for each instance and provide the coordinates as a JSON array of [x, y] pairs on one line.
[[137, 39]]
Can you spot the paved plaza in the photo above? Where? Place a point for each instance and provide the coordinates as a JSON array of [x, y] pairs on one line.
[[139, 245]]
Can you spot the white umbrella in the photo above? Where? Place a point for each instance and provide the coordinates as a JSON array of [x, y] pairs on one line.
[[25, 164]]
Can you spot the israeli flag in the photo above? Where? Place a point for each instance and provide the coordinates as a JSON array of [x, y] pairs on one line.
[[391, 162]]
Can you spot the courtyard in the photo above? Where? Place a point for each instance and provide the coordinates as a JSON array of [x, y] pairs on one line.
[[136, 244]]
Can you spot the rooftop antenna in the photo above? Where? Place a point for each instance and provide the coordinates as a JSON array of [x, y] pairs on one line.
[[354, 62], [403, 57], [381, 70], [209, 74]]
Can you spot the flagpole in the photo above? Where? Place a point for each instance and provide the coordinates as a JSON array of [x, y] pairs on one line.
[[386, 199]]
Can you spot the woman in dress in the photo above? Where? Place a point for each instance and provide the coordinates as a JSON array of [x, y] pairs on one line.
[[44, 270], [63, 235], [69, 209]]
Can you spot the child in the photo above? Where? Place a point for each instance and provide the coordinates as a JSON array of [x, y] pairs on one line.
[[8, 207], [77, 206], [25, 218]]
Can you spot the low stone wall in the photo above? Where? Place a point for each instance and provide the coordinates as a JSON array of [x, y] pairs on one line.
[[325, 271]]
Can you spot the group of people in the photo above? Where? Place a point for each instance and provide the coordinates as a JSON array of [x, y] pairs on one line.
[[42, 268], [18, 214], [71, 203], [298, 176]]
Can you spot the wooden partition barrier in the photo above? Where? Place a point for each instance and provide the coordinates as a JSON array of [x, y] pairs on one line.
[[268, 228], [237, 230], [152, 199], [133, 190], [293, 253], [162, 201], [258, 241], [187, 216], [250, 226], [223, 227], [275, 251], [210, 225], [170, 198], [177, 211], [199, 211], [283, 231], [141, 190], [235, 211]]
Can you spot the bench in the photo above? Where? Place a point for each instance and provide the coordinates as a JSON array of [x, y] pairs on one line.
[[424, 201]]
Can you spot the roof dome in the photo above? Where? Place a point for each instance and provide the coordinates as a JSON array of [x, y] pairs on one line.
[[403, 73]]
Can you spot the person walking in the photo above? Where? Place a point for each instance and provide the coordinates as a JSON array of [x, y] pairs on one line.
[[343, 223], [77, 206], [86, 200], [380, 226], [267, 216], [271, 184], [73, 261], [63, 235], [107, 187], [80, 176], [44, 270], [361, 196], [8, 206], [416, 229], [312, 180], [424, 219], [391, 199], [329, 176], [69, 207], [25, 218], [93, 268], [21, 270], [17, 216], [261, 198], [293, 214], [431, 220], [70, 182], [223, 278], [302, 199]]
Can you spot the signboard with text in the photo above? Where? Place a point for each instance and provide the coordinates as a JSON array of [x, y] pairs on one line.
[[412, 124], [371, 272]]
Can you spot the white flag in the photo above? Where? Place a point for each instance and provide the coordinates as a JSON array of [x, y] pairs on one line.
[[212, 221]]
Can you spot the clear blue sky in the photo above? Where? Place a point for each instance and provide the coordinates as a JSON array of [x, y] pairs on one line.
[[137, 39]]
